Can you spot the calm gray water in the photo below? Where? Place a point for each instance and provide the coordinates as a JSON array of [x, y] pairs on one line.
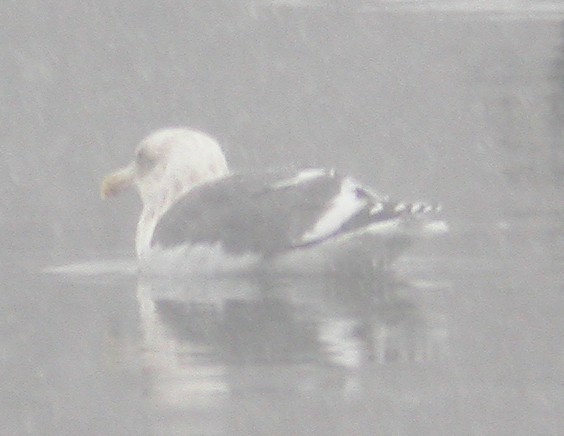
[[452, 341]]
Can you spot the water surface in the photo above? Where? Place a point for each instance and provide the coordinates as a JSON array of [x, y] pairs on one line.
[[464, 336]]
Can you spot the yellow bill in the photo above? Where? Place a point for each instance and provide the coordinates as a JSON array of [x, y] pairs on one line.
[[118, 181]]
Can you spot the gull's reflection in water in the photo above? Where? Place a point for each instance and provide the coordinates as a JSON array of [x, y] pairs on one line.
[[262, 354]]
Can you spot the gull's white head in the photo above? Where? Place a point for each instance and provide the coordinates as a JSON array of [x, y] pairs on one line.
[[168, 163]]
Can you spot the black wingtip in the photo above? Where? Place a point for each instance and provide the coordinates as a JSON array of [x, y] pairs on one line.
[[389, 210]]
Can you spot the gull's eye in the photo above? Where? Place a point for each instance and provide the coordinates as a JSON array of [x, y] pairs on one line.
[[144, 162]]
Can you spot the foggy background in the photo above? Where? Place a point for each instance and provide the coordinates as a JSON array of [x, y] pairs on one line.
[[460, 108], [456, 102]]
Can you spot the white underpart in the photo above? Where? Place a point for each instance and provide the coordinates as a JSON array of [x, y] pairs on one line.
[[186, 159], [199, 259], [415, 228], [435, 227], [387, 227], [301, 177], [342, 208]]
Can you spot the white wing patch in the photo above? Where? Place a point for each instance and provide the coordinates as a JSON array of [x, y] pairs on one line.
[[400, 207], [302, 176], [377, 208], [343, 207]]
